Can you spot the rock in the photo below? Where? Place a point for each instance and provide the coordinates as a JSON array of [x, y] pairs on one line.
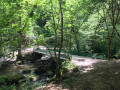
[[29, 62], [33, 56], [45, 57], [34, 79], [19, 62], [25, 76], [49, 72], [45, 63], [41, 61], [38, 60], [21, 81], [26, 71], [47, 79], [5, 64], [24, 61], [20, 71]]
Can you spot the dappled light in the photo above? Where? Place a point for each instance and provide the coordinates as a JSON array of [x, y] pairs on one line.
[[105, 75], [81, 61], [59, 45]]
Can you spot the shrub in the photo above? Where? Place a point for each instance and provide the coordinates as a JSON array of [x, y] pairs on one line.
[[66, 65], [76, 69], [117, 55], [11, 87], [3, 79]]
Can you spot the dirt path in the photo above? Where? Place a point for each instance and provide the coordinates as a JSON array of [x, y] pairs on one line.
[[78, 60], [93, 74], [84, 61]]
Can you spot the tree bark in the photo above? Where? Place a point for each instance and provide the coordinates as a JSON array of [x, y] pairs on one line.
[[58, 73], [19, 42], [55, 31], [19, 46]]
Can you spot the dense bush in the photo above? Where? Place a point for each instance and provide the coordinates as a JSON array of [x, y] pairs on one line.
[[4, 85]]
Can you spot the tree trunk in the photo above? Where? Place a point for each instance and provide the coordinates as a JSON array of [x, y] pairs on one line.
[[109, 50], [19, 49], [113, 30], [77, 44], [19, 52], [19, 42], [55, 30], [58, 73]]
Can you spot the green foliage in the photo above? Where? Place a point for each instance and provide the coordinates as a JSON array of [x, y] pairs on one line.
[[3, 79], [11, 87], [89, 28], [76, 69], [37, 85], [84, 28], [66, 66], [117, 55], [30, 86], [4, 86]]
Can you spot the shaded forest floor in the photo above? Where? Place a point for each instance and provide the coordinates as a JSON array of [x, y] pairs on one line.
[[91, 75]]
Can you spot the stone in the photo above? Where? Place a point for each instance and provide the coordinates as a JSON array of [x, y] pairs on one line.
[[41, 61], [20, 71], [45, 57], [47, 79], [19, 62], [49, 72], [38, 60], [21, 81], [45, 63], [34, 79], [33, 56], [26, 71]]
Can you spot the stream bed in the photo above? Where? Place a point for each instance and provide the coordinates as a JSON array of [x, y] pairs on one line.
[[34, 70]]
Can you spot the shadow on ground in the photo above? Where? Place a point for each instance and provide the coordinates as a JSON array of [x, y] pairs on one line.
[[103, 76]]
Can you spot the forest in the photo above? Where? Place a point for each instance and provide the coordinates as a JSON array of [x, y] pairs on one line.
[[69, 44]]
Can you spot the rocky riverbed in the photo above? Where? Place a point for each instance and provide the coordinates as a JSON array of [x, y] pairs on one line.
[[34, 69]]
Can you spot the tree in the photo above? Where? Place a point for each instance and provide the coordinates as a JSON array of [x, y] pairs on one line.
[[17, 24], [110, 15]]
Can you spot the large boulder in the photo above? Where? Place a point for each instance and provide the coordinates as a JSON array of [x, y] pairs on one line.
[[45, 63], [33, 56], [41, 61]]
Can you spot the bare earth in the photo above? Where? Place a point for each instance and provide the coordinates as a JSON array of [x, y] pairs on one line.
[[92, 74]]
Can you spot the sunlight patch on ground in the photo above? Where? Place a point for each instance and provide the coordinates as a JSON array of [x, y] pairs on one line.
[[51, 87], [85, 64]]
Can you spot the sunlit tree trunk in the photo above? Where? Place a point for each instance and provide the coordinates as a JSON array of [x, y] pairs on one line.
[[19, 47], [55, 31], [58, 73], [19, 42]]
